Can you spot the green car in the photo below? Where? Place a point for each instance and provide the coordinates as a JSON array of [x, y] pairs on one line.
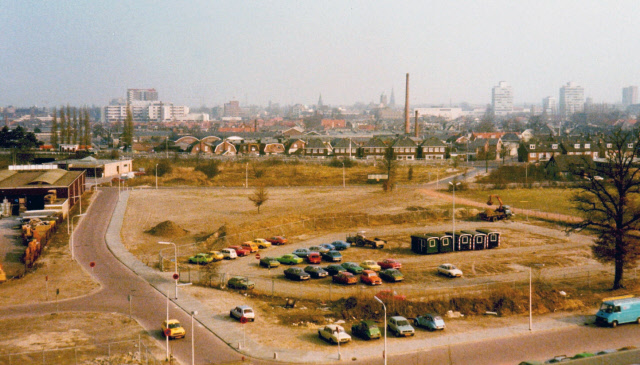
[[353, 268], [269, 262], [200, 259], [290, 259], [582, 355], [366, 329], [391, 275], [239, 282]]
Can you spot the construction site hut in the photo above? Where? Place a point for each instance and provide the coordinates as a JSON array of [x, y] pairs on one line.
[[445, 243], [493, 237], [425, 244]]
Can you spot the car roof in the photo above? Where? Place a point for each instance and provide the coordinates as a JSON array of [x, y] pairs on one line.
[[398, 318], [243, 307]]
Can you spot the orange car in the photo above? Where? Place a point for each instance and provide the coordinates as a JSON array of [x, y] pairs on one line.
[[370, 277]]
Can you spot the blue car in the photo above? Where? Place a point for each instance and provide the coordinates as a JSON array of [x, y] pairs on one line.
[[328, 246], [340, 245]]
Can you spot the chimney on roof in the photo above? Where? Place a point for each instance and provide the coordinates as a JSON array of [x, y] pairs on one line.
[[417, 125], [407, 128]]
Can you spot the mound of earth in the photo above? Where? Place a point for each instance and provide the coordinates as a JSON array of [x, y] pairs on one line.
[[167, 229]]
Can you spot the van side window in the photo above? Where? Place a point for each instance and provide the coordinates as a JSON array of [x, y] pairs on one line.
[[616, 309]]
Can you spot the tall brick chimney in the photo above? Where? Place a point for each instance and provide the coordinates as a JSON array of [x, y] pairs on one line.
[[407, 127], [417, 125]]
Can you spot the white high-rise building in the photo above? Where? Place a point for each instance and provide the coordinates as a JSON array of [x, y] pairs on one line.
[[502, 98], [550, 105], [629, 95], [571, 99], [141, 95]]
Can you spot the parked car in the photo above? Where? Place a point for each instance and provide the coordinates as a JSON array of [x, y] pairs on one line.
[[332, 256], [249, 245], [449, 270], [400, 326], [200, 259], [340, 245], [334, 269], [229, 253], [318, 249], [269, 262], [240, 251], [582, 355], [328, 245], [296, 273], [262, 243], [531, 362], [239, 282], [314, 258], [390, 264], [216, 255], [243, 311], [370, 265], [173, 329], [278, 240], [557, 359], [345, 278], [370, 277], [290, 259], [391, 275], [302, 252], [353, 268], [430, 321], [366, 329], [389, 294], [316, 272], [334, 334]]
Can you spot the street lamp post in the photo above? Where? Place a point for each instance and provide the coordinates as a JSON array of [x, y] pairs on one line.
[[453, 214], [156, 176], [175, 248], [384, 353], [193, 336], [531, 296], [73, 257]]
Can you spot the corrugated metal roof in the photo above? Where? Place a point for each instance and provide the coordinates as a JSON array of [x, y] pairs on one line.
[[5, 174], [49, 177], [20, 179]]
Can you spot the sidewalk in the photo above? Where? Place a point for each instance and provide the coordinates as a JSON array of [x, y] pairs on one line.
[[232, 335]]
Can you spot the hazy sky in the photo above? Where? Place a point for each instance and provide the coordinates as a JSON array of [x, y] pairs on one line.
[[209, 52]]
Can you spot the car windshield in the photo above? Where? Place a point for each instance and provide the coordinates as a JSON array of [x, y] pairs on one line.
[[606, 308], [174, 325], [403, 323], [437, 318], [248, 311]]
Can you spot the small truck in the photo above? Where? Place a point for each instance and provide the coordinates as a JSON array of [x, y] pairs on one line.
[[360, 240], [500, 213]]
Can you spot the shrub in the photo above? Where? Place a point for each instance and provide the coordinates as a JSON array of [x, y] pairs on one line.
[[164, 167], [335, 162], [210, 168]]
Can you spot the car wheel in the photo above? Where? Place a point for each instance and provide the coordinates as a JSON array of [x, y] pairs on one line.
[[614, 324], [231, 314]]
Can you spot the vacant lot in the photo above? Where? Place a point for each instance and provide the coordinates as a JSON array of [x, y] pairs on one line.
[[551, 200]]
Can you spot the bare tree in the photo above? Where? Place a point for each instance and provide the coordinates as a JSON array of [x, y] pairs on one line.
[[608, 198], [259, 197], [389, 163]]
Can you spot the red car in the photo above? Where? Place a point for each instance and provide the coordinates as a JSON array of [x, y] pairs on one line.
[[278, 240], [314, 258], [370, 277], [389, 264], [240, 251], [388, 294], [345, 278]]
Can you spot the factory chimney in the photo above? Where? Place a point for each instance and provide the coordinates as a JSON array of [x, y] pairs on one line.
[[407, 128], [417, 125]]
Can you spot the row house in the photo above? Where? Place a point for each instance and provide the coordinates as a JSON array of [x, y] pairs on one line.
[[538, 151], [577, 148], [345, 148], [432, 149], [373, 149], [317, 148], [295, 147], [404, 148], [272, 148]]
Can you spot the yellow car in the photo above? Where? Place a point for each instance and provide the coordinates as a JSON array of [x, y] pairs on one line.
[[173, 329], [262, 243], [216, 255], [370, 265]]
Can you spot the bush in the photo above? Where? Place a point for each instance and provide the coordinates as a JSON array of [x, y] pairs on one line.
[[210, 168], [164, 167], [335, 162]]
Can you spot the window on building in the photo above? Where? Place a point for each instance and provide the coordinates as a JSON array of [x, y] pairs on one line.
[[630, 145], [609, 145], [587, 145], [532, 146], [576, 145], [554, 146], [532, 154]]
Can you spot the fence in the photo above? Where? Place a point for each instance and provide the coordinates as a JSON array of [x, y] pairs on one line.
[[133, 351]]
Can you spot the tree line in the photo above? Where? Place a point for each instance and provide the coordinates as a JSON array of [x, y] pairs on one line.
[[71, 125]]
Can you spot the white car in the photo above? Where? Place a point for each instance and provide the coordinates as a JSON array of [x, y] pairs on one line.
[[243, 311], [334, 334], [449, 270], [229, 253]]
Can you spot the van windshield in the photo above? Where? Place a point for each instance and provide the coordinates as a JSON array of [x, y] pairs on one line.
[[606, 308]]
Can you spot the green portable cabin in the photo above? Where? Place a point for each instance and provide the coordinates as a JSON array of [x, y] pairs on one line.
[[425, 244], [493, 237], [446, 243], [478, 240], [462, 242]]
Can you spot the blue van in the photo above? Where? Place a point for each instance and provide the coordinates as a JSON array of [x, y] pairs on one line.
[[618, 311]]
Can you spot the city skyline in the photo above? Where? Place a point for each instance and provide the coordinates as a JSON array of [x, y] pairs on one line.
[[203, 53]]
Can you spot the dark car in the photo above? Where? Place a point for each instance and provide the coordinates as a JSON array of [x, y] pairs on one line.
[[391, 275], [334, 269], [239, 282], [269, 262], [366, 329], [302, 252], [341, 245], [316, 272], [328, 246], [345, 278], [332, 256], [353, 268], [296, 273]]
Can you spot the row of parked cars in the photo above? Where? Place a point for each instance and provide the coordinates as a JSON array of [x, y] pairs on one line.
[[369, 330], [233, 252]]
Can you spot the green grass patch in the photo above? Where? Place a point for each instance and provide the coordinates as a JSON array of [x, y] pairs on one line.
[[553, 200]]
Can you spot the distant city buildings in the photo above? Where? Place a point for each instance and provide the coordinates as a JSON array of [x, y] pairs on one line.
[[232, 109], [141, 95], [571, 99], [502, 98], [146, 108], [629, 95], [550, 105]]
